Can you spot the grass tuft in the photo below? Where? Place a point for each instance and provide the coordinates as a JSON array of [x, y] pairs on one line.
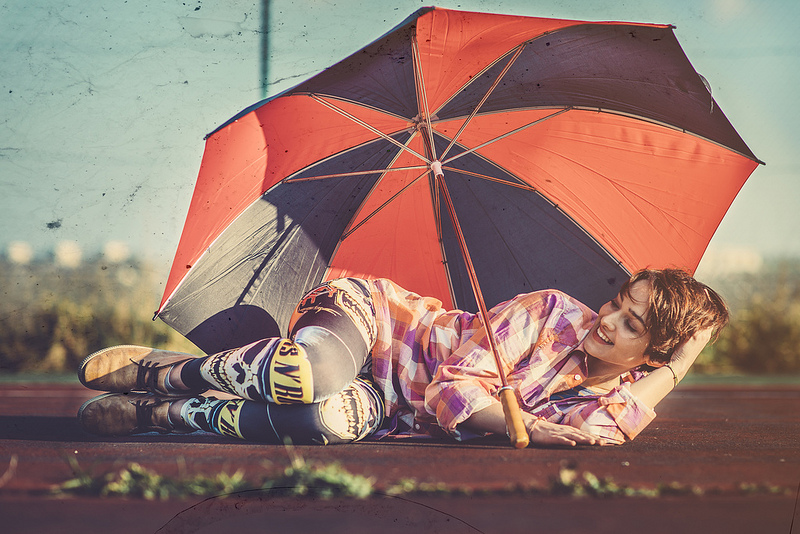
[[135, 481], [329, 481]]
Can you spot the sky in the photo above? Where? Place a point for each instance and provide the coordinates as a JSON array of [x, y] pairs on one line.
[[104, 104]]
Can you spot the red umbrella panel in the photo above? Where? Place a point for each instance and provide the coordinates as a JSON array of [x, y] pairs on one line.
[[574, 153]]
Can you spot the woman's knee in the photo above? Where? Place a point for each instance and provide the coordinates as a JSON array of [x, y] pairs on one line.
[[334, 360], [290, 377], [343, 306], [312, 368], [333, 330]]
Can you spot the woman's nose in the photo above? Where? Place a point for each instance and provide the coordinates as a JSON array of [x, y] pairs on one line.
[[608, 320]]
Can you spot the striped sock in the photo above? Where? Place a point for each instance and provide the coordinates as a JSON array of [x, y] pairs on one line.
[[236, 418], [272, 370], [239, 371]]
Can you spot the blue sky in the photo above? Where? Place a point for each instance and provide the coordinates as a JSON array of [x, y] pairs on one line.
[[104, 104]]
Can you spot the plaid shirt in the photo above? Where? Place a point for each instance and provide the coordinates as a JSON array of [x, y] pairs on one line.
[[435, 367]]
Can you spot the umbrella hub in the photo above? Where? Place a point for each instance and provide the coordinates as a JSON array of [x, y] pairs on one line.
[[436, 168], [420, 121]]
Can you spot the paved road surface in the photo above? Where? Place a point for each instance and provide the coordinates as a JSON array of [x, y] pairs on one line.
[[710, 437]]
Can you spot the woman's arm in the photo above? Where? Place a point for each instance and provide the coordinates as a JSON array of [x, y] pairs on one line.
[[649, 390], [541, 432], [655, 386], [466, 382]]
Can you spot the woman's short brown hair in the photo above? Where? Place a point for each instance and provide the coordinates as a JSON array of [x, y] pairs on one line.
[[679, 306]]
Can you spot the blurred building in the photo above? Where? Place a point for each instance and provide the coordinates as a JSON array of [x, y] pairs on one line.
[[19, 252], [116, 251], [68, 254], [730, 260]]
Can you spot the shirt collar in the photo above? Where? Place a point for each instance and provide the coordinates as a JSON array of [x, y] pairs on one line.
[[578, 374]]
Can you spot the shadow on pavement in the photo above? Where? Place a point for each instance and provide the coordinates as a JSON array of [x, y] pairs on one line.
[[40, 428]]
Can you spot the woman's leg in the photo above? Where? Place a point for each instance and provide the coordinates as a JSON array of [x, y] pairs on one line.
[[350, 415], [332, 333]]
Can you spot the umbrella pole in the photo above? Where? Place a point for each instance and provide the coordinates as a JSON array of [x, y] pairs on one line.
[[517, 432]]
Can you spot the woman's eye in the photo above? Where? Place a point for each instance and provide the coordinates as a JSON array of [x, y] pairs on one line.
[[629, 325]]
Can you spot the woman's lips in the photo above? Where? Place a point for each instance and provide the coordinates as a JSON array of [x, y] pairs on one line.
[[602, 337]]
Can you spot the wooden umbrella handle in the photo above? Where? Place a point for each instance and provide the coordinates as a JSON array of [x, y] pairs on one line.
[[517, 432]]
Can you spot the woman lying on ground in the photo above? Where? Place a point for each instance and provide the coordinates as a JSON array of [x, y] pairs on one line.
[[366, 358]]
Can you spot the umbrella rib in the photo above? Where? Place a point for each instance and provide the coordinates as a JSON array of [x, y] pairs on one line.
[[379, 208], [422, 95], [670, 126], [354, 173], [507, 134], [483, 100], [492, 179], [369, 127]]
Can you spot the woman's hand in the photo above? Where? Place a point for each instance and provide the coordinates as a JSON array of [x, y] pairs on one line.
[[687, 352], [542, 432], [655, 386], [491, 419]]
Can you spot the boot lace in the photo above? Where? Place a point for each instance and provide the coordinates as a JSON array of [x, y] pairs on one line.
[[144, 415], [147, 375]]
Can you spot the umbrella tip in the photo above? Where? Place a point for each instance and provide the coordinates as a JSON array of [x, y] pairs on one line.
[[436, 167]]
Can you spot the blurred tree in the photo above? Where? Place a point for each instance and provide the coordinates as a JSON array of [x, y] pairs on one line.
[[53, 317], [764, 337]]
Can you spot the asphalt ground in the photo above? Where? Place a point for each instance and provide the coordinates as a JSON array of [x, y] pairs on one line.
[[715, 438]]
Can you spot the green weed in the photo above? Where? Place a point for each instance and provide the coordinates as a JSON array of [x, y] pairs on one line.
[[569, 482], [135, 481], [330, 481]]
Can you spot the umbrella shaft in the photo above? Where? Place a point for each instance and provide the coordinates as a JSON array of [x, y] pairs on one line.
[[473, 279]]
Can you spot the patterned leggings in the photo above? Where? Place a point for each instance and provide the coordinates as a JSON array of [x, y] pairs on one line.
[[314, 387]]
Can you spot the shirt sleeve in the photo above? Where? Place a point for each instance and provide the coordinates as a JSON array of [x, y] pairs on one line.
[[460, 389], [617, 416], [467, 381]]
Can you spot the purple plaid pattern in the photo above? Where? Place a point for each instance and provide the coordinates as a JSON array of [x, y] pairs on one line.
[[435, 369]]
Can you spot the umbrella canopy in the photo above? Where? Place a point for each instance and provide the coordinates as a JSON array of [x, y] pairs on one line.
[[574, 153]]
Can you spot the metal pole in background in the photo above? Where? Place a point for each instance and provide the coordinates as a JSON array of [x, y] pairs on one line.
[[264, 47]]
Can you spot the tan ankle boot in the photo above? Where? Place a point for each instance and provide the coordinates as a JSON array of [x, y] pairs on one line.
[[124, 414], [131, 368]]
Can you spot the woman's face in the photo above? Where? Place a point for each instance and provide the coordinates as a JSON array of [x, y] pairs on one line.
[[618, 336]]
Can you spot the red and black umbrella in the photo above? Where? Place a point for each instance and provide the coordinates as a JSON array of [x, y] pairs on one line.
[[573, 153]]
